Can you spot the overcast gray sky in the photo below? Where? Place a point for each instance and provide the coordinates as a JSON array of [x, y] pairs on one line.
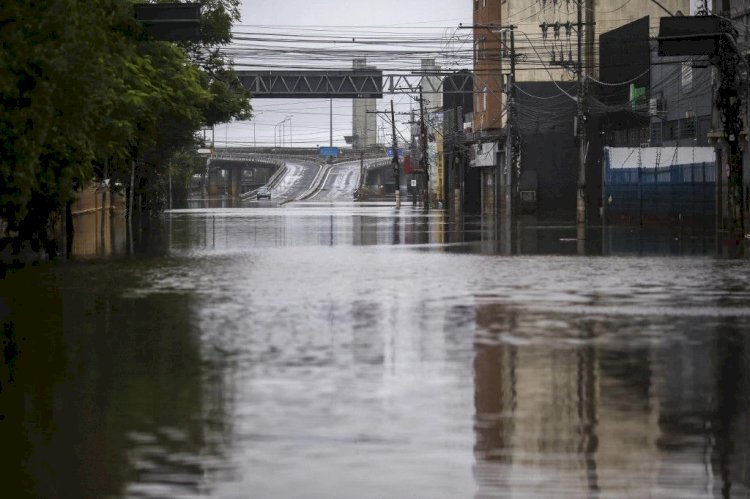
[[308, 120], [354, 12], [309, 123]]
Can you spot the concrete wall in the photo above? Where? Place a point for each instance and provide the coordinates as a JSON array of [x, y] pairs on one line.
[[489, 99], [364, 125]]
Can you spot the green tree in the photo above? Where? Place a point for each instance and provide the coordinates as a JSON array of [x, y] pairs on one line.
[[80, 87], [181, 116], [57, 87]]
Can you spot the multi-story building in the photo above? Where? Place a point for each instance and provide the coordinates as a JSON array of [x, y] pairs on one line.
[[673, 99], [546, 53], [489, 100], [546, 31], [545, 42]]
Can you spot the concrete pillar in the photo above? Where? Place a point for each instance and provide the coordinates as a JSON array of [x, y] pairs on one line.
[[214, 178], [234, 178]]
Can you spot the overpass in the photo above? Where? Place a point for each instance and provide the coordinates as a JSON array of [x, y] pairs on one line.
[[249, 169], [360, 83], [242, 170]]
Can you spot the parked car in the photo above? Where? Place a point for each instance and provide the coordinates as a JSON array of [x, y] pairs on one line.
[[263, 192]]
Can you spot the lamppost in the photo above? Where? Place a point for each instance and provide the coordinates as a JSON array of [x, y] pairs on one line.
[[275, 134], [254, 120], [291, 138], [280, 127]]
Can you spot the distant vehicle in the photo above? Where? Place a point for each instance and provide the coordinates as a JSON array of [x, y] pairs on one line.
[[263, 192]]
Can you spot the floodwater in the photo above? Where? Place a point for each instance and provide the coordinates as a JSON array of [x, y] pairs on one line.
[[354, 351]]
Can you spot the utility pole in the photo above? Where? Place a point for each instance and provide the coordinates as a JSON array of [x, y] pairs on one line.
[[395, 161], [423, 161], [331, 121], [458, 170], [514, 173], [396, 165], [730, 104], [581, 133], [413, 152]]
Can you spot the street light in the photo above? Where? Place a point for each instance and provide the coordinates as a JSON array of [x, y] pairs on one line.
[[291, 139], [275, 135], [281, 132], [254, 120]]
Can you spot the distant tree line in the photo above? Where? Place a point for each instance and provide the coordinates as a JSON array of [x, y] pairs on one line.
[[84, 93]]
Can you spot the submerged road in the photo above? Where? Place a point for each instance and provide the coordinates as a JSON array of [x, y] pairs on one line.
[[294, 182], [307, 181], [345, 350], [340, 183]]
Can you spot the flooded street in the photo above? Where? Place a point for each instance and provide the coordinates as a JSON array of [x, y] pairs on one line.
[[339, 350]]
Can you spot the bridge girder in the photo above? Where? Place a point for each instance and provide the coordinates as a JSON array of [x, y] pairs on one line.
[[360, 83], [313, 84]]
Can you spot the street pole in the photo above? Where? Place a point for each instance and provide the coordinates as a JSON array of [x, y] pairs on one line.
[[331, 121], [396, 165], [730, 103], [169, 170], [514, 190], [255, 118], [581, 135], [424, 164], [457, 162]]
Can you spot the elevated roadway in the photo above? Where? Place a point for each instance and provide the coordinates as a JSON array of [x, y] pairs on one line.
[[296, 178], [341, 180]]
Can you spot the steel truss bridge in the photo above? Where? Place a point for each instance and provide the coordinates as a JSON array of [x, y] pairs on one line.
[[338, 84]]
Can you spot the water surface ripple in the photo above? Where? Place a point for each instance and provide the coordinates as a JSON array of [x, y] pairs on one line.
[[345, 350]]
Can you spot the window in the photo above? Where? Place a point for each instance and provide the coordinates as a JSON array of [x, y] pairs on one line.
[[687, 76], [687, 128], [670, 130], [476, 4]]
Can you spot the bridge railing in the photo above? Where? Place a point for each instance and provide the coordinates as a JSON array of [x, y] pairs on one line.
[[345, 154]]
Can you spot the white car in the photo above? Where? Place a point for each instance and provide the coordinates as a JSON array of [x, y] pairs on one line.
[[263, 192]]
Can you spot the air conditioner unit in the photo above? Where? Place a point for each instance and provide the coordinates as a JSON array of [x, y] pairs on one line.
[[657, 106]]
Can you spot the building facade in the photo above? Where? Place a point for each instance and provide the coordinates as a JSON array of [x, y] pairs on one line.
[[544, 39], [489, 100]]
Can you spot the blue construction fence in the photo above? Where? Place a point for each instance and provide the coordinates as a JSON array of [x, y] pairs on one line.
[[637, 193]]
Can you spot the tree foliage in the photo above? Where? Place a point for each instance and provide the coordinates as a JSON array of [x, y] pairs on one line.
[[79, 86]]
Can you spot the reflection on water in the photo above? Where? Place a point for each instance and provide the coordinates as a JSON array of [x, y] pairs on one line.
[[111, 396], [654, 417], [351, 350]]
